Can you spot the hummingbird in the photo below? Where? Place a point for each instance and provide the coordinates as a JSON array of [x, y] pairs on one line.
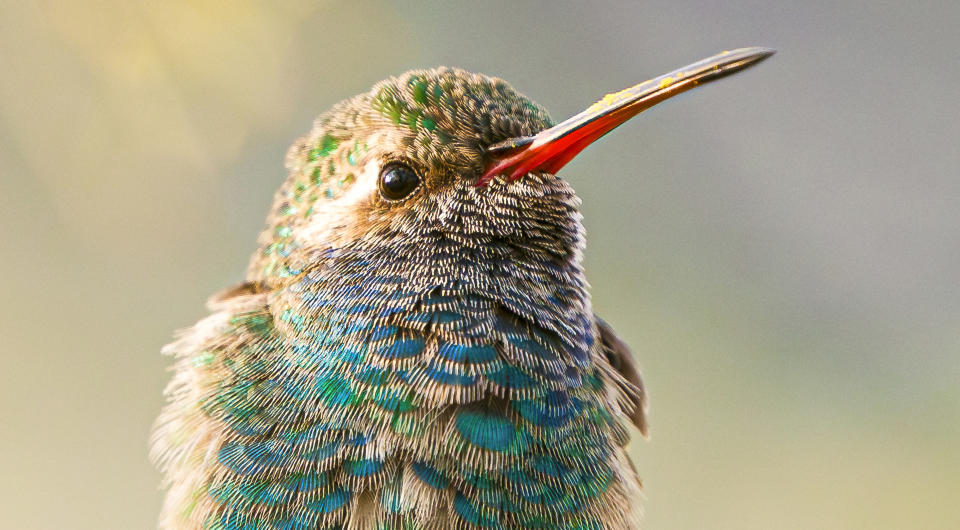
[[414, 345]]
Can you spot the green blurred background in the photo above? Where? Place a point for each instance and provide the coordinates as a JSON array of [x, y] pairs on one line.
[[781, 249]]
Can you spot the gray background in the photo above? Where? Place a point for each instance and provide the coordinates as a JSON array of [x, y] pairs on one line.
[[780, 249]]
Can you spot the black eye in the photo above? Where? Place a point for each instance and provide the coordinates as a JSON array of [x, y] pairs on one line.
[[398, 181]]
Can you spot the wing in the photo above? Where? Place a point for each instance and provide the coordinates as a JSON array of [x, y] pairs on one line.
[[241, 289], [621, 359]]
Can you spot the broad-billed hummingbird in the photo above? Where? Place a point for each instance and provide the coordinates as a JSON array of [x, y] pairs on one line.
[[414, 346]]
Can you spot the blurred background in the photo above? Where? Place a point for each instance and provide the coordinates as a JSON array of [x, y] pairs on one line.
[[781, 249]]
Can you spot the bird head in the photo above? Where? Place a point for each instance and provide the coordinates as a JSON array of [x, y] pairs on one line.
[[447, 162]]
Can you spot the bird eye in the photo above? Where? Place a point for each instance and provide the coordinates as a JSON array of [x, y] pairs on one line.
[[397, 181]]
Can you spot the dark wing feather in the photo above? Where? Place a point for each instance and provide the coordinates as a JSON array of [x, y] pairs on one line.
[[621, 359], [241, 289]]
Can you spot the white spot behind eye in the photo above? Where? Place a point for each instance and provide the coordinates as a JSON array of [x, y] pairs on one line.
[[330, 216]]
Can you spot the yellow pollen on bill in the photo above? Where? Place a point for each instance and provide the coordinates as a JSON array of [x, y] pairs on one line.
[[614, 98], [607, 101]]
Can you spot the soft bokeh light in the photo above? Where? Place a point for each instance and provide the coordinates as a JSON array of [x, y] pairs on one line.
[[781, 249]]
